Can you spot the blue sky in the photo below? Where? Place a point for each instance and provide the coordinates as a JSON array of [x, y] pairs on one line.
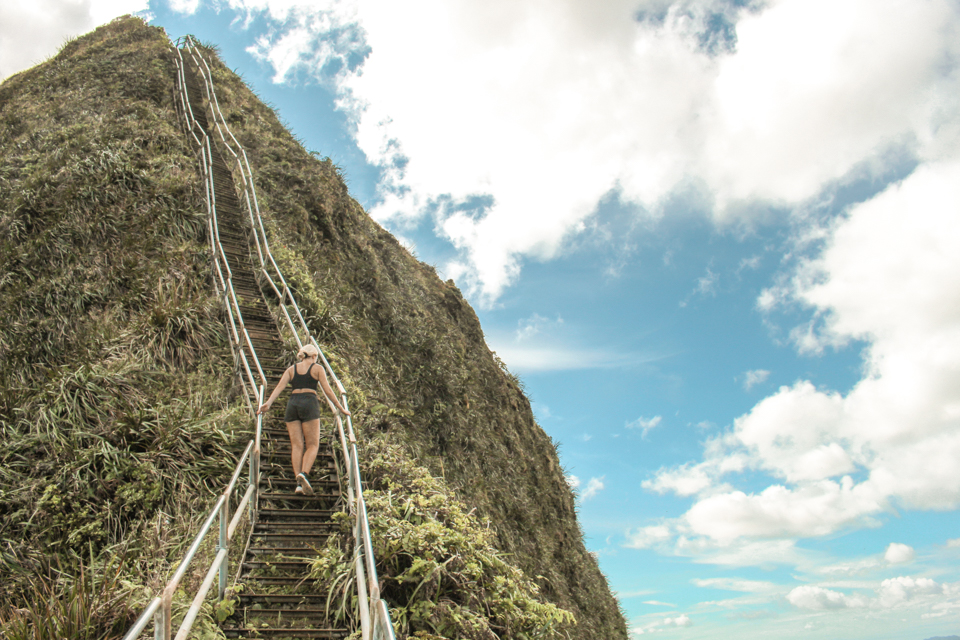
[[718, 240]]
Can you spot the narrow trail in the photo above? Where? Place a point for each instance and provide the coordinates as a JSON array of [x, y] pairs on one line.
[[278, 599]]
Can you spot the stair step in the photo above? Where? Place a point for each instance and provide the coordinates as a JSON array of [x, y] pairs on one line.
[[282, 598], [334, 634], [274, 514], [272, 551]]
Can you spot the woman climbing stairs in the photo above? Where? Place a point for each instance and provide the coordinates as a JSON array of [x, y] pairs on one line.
[[277, 599]]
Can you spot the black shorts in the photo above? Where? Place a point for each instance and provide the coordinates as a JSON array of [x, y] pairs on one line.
[[303, 407]]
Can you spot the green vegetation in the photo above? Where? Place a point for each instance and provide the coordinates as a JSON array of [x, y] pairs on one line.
[[437, 562], [118, 403], [116, 410]]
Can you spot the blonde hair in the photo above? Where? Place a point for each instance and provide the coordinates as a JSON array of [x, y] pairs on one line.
[[307, 350]]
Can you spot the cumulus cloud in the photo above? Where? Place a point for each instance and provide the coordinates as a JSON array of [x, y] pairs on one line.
[[686, 480], [898, 553], [547, 108], [683, 620], [819, 599], [573, 481], [896, 591], [33, 30], [888, 274], [889, 594]]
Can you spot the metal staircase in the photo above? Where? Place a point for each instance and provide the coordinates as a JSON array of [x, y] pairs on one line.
[[287, 529]]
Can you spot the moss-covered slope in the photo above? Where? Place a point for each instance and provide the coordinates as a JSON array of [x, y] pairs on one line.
[[103, 264]]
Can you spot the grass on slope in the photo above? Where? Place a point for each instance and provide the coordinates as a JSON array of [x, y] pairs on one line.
[[116, 406]]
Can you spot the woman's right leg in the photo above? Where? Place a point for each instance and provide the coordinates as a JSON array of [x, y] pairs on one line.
[[295, 429]]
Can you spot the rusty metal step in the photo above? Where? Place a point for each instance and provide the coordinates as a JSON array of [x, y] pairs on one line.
[[332, 634]]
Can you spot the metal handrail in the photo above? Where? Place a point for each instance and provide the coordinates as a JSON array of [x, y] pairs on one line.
[[223, 280], [374, 613], [160, 609]]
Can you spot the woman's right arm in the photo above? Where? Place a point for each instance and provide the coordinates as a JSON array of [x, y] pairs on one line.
[[281, 385]]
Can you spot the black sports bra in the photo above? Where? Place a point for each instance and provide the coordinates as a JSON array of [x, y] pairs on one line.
[[304, 380]]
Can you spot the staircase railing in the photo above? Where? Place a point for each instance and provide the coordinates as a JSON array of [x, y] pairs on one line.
[[374, 614], [160, 609]]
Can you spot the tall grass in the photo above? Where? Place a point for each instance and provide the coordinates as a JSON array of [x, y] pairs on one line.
[[118, 410], [94, 603]]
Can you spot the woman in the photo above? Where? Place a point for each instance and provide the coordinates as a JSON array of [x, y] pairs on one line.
[[303, 412]]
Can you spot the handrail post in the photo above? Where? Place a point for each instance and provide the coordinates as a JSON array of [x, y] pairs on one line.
[[224, 545], [158, 623], [166, 611], [256, 456]]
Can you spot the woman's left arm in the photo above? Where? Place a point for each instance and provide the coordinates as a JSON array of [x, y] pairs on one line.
[[327, 391]]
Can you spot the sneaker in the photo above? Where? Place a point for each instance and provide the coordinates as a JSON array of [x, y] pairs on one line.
[[304, 484], [298, 490]]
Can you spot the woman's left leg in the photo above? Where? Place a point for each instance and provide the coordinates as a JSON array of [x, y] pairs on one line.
[[296, 446], [311, 437]]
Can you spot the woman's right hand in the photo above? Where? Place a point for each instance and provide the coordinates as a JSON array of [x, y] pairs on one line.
[[264, 407]]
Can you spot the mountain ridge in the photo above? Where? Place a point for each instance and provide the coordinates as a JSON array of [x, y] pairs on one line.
[[408, 346]]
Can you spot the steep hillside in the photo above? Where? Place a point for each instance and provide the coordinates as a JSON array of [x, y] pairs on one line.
[[103, 264]]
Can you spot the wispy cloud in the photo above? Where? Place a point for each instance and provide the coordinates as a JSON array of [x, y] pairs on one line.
[[754, 377], [645, 424], [594, 486], [528, 358], [657, 603], [707, 283], [529, 327]]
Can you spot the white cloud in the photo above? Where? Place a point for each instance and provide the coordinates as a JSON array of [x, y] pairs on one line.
[[645, 424], [650, 536], [741, 553], [897, 553], [683, 620], [754, 377], [184, 6], [594, 486], [953, 543], [573, 481], [657, 603], [707, 284], [33, 30], [892, 593], [529, 327], [888, 274], [896, 591], [819, 599], [522, 358], [736, 584], [548, 107], [686, 480]]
